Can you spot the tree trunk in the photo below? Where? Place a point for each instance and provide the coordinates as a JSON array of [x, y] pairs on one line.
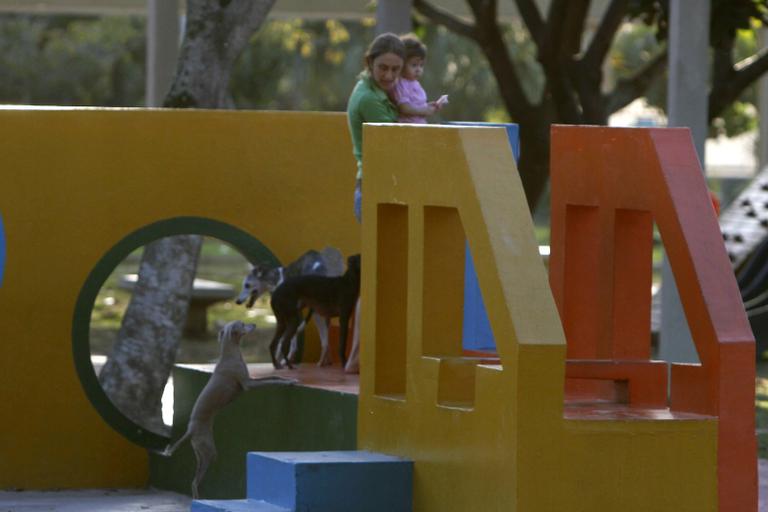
[[534, 158], [217, 31], [135, 375]]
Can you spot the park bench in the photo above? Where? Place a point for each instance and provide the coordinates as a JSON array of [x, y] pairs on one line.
[[205, 293]]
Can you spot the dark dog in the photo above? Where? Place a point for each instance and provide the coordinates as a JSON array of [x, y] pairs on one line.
[[326, 296], [264, 278]]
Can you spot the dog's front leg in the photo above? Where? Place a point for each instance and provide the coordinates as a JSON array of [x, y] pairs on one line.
[[266, 381], [294, 348], [276, 344], [290, 333], [295, 340], [279, 353]]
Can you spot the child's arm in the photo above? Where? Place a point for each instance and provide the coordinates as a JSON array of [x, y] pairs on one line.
[[410, 110]]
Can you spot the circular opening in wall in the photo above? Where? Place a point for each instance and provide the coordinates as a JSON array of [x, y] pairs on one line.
[[109, 354]]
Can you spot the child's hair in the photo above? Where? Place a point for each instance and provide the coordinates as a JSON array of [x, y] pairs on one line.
[[413, 47], [384, 43]]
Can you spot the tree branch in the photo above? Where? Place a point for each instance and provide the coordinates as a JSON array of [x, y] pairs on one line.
[[553, 30], [606, 31], [562, 40], [531, 16], [446, 19], [725, 92], [491, 41], [628, 90], [573, 27], [487, 35], [484, 10]]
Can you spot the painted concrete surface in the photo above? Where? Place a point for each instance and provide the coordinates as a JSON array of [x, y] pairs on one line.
[[83, 447], [111, 500], [94, 500]]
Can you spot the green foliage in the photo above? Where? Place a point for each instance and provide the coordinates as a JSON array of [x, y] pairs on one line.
[[299, 65], [313, 65], [637, 44], [634, 47], [761, 409], [71, 60], [727, 16]]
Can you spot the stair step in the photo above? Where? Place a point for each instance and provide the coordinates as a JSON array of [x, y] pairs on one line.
[[234, 506], [334, 481]]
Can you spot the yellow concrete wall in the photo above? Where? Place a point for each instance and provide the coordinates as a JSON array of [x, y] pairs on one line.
[[484, 437], [77, 181]]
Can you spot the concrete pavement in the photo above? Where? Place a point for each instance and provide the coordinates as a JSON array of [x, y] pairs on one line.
[[150, 500]]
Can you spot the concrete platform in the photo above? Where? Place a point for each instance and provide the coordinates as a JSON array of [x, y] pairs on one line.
[[94, 500], [143, 500]]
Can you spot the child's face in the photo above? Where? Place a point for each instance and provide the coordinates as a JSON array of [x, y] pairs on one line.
[[414, 68]]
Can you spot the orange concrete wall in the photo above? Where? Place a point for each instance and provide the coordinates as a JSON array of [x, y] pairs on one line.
[[609, 186], [492, 437]]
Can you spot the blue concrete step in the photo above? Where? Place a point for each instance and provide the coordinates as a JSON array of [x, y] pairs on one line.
[[337, 481], [234, 506]]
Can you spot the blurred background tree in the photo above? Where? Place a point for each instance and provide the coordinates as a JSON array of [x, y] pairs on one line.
[[288, 65], [312, 64], [579, 86], [68, 60], [307, 65]]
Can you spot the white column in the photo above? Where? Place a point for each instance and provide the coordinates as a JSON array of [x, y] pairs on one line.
[[162, 48], [687, 99], [393, 16]]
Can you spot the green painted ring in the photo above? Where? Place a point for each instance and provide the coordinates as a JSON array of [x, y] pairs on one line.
[[253, 250]]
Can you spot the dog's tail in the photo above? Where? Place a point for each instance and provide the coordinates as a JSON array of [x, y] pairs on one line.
[[334, 261], [172, 448]]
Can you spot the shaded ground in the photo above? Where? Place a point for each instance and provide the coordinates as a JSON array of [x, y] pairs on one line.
[[111, 500], [94, 500]]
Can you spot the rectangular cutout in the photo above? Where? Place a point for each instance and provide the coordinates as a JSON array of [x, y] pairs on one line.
[[632, 281], [581, 313], [391, 300], [443, 299]]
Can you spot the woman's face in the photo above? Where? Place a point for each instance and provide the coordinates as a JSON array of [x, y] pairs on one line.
[[385, 69]]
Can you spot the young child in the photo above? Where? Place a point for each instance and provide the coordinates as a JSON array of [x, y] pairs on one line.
[[408, 95]]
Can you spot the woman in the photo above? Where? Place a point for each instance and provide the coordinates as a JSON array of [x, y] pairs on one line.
[[369, 101]]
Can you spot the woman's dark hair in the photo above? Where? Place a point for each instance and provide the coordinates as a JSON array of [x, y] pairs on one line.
[[413, 47], [384, 43]]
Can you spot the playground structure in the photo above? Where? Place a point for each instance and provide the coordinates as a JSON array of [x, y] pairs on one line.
[[545, 426], [84, 188]]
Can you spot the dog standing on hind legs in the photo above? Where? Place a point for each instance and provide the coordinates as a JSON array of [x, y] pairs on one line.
[[327, 296], [230, 377]]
